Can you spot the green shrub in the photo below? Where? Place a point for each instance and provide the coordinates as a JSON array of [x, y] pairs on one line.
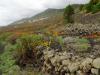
[[82, 41], [27, 52], [29, 42], [60, 40], [4, 36], [7, 58]]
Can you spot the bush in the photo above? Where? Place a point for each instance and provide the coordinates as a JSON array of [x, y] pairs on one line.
[[60, 40], [27, 52], [7, 58], [82, 41], [4, 36]]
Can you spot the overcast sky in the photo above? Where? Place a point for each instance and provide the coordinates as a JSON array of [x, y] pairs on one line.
[[12, 10]]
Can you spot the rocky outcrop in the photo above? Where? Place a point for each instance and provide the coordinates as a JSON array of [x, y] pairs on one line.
[[63, 63]]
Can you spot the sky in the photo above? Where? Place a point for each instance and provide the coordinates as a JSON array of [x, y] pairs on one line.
[[13, 10]]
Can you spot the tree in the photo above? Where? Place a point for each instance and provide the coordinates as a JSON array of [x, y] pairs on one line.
[[68, 14], [94, 1], [89, 6], [81, 7], [96, 8], [92, 6]]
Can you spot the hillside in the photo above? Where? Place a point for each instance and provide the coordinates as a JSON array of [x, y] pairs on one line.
[[46, 18], [41, 16], [45, 44], [51, 19]]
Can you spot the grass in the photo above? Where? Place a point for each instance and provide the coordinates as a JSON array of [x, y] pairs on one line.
[[82, 40], [82, 47]]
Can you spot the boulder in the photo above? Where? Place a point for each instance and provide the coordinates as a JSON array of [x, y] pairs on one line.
[[65, 68], [63, 57], [79, 73], [96, 63], [48, 54], [55, 60], [95, 71], [73, 66], [86, 64], [67, 74], [66, 62]]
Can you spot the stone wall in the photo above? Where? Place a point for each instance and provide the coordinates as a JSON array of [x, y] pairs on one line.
[[63, 63]]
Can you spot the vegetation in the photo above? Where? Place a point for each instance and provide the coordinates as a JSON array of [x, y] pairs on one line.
[[68, 14], [7, 59], [93, 6], [96, 8], [27, 52], [89, 7], [23, 49], [82, 45]]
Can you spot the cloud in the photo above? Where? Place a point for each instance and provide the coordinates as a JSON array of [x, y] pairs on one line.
[[12, 10]]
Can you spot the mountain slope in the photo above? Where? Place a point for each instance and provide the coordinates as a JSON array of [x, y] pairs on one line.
[[41, 16], [51, 19], [46, 19]]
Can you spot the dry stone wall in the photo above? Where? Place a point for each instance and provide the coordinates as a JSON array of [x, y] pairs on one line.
[[63, 63]]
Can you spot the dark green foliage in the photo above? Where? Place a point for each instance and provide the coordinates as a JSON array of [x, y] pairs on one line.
[[89, 7], [68, 14], [94, 2], [93, 6], [96, 8], [81, 7]]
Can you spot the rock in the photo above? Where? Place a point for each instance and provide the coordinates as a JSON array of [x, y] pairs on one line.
[[86, 61], [73, 66], [67, 74], [95, 71], [65, 68], [79, 73], [40, 47], [86, 64], [63, 57], [66, 62], [72, 74], [64, 53], [60, 67], [68, 40], [96, 63], [48, 54], [55, 60], [48, 66]]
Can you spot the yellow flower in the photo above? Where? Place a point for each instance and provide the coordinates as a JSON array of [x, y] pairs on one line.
[[46, 43], [55, 33]]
